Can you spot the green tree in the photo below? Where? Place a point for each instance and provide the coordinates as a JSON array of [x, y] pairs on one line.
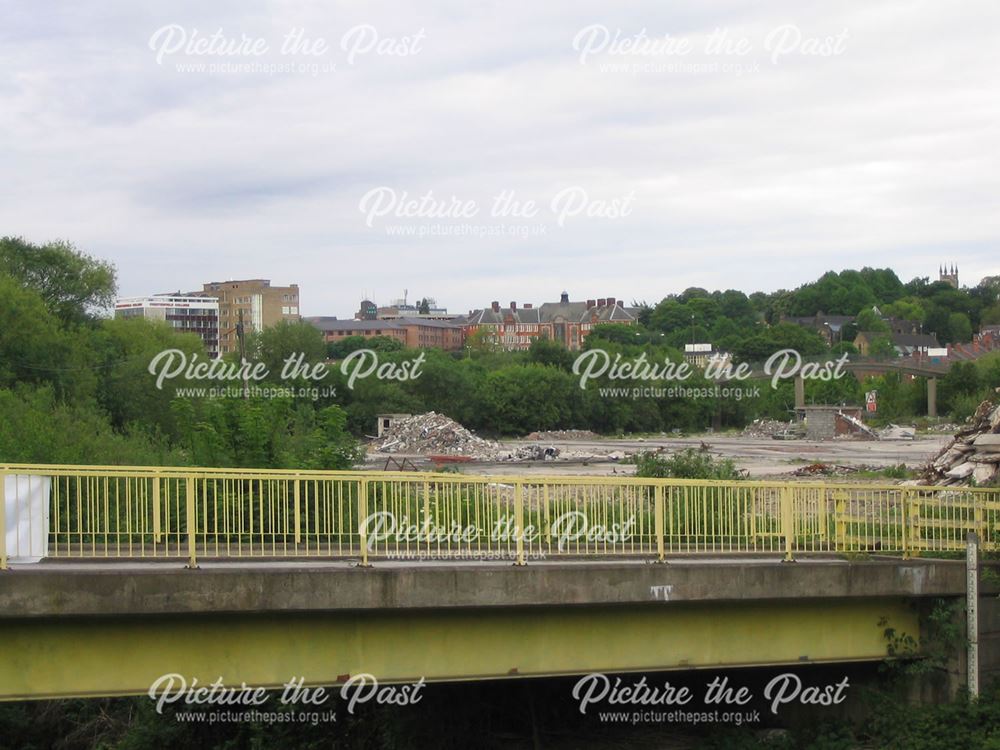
[[959, 328], [277, 344], [868, 320], [782, 336], [73, 285], [881, 346], [124, 350], [520, 399], [348, 344], [544, 351], [36, 348]]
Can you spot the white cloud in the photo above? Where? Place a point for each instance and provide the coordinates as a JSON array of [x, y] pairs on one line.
[[882, 155]]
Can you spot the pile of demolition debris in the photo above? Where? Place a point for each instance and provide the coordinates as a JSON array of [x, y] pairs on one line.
[[825, 470], [435, 434], [562, 435], [973, 456], [855, 427], [897, 432], [764, 428], [533, 452]]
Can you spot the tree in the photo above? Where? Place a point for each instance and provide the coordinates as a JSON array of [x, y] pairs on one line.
[[959, 328], [124, 349], [348, 344], [544, 351], [523, 398], [881, 346], [73, 285], [482, 340], [991, 316], [867, 320], [908, 308], [424, 307], [36, 348], [276, 344], [759, 347], [843, 347], [620, 333]]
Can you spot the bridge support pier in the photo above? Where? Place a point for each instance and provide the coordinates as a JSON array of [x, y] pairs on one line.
[[800, 392], [932, 397]]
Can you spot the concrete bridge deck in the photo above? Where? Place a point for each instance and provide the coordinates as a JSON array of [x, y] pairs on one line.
[[56, 589], [92, 629]]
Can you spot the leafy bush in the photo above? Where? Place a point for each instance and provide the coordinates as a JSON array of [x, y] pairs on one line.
[[686, 464]]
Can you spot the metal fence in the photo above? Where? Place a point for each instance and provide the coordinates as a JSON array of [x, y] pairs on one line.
[[87, 512]]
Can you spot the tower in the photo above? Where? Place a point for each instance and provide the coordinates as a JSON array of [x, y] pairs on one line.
[[948, 276]]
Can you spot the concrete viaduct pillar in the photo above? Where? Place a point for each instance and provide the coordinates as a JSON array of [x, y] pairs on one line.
[[800, 392]]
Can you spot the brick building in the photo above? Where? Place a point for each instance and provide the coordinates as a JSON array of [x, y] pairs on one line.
[[413, 333], [568, 322], [261, 305]]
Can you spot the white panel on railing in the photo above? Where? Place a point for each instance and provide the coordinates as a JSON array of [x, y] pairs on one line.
[[27, 517]]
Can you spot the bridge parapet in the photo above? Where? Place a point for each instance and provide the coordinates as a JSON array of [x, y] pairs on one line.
[[192, 514]]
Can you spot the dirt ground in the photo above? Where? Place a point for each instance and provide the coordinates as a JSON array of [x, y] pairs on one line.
[[761, 457]]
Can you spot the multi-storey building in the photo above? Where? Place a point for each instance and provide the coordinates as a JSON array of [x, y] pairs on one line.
[[260, 304], [188, 314], [514, 328], [413, 333], [400, 308]]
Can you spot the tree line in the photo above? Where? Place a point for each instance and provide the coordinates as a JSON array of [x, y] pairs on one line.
[[75, 386]]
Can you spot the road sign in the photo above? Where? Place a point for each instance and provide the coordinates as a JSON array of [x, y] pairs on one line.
[[870, 401]]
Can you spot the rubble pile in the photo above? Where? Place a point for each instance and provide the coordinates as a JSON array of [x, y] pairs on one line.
[[562, 435], [765, 428], [856, 428], [947, 427], [825, 470], [435, 434], [534, 452], [973, 456], [897, 432]]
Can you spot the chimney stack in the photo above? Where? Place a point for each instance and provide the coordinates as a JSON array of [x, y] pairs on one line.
[[591, 303], [495, 305], [564, 298], [513, 306], [601, 302], [528, 305]]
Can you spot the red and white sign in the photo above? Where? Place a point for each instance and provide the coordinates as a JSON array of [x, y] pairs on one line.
[[870, 401]]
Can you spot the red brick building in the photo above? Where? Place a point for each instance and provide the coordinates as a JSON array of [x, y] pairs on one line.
[[412, 333], [567, 322]]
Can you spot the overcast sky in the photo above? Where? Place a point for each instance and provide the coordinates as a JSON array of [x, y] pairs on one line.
[[748, 145]]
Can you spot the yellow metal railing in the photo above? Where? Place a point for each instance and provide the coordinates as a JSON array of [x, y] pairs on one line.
[[125, 512]]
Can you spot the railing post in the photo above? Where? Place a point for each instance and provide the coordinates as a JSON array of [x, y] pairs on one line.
[[787, 522], [3, 520], [840, 526], [519, 521], [363, 520], [298, 511], [972, 611], [192, 521], [658, 521], [913, 521], [905, 502], [157, 537], [427, 514], [977, 516]]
